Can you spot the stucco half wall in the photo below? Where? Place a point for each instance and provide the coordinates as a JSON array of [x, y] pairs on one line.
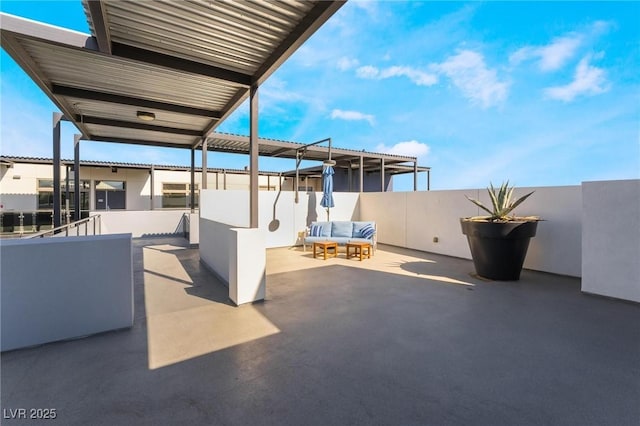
[[62, 288]]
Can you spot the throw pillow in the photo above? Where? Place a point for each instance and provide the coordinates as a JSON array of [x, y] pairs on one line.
[[367, 231], [315, 231]]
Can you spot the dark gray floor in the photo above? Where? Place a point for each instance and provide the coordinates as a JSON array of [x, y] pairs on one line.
[[359, 346]]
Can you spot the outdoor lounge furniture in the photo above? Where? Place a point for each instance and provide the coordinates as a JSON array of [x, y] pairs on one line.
[[325, 248], [358, 250], [341, 232]]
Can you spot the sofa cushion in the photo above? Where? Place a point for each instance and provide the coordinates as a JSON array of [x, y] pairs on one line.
[[341, 229], [359, 226]]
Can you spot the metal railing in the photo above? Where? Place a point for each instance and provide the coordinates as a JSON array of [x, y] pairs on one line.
[[95, 220], [18, 223]]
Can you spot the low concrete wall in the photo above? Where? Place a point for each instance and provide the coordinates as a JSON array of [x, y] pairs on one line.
[[61, 288], [143, 223], [194, 228], [414, 219], [611, 239], [247, 265], [215, 247], [234, 253]]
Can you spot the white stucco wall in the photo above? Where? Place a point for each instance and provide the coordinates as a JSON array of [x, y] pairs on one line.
[[413, 219], [247, 265], [80, 286], [236, 253], [611, 239], [233, 252], [142, 223]]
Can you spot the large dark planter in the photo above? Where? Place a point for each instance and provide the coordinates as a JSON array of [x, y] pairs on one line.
[[498, 249]]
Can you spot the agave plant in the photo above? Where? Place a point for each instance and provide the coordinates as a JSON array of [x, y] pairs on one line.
[[502, 203]]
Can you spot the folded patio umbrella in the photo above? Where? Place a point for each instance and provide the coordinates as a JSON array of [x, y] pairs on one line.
[[327, 189]]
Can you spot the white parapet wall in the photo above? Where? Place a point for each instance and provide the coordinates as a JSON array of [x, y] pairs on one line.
[[143, 223], [62, 288], [236, 253], [247, 265], [611, 239], [430, 221]]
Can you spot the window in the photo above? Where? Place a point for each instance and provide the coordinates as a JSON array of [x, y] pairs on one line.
[[45, 194], [111, 194], [178, 195]]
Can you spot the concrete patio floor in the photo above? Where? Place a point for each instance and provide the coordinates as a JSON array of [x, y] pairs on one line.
[[403, 338]]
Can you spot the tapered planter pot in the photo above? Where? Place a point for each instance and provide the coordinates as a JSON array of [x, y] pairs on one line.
[[498, 249]]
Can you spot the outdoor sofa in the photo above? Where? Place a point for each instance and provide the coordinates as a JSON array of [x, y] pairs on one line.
[[341, 232]]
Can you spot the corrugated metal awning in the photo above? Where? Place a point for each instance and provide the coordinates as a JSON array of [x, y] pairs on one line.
[[187, 63]]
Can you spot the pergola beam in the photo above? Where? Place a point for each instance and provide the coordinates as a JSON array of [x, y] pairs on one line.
[[147, 56], [132, 101], [139, 142], [134, 125], [98, 12]]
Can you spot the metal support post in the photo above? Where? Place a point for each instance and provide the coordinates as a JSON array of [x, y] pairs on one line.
[[67, 200], [57, 117], [415, 175], [382, 175], [152, 174], [203, 185], [361, 173], [193, 179], [253, 156], [76, 177]]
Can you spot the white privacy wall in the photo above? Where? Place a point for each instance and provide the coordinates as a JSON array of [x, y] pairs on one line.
[[280, 218], [142, 223], [414, 219], [611, 239], [236, 253], [79, 286]]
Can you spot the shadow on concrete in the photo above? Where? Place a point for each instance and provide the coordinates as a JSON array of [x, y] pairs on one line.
[[355, 346]]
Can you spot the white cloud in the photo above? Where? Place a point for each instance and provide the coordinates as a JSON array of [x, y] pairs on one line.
[[411, 148], [345, 63], [417, 76], [468, 72], [352, 116], [588, 80], [369, 6], [556, 54], [551, 56], [368, 71]]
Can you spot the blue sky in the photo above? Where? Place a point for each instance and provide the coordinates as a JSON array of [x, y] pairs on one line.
[[539, 93]]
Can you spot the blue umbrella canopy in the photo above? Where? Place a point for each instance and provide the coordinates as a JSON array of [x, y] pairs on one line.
[[327, 187]]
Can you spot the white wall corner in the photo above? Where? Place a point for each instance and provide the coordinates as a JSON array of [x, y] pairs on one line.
[[247, 265]]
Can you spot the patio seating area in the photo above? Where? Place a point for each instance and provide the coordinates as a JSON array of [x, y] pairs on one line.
[[406, 337]]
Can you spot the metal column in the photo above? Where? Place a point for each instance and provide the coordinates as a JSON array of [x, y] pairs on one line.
[[67, 199], [152, 173], [382, 175], [203, 185], [193, 179], [57, 117], [415, 175], [76, 176], [361, 173], [253, 156]]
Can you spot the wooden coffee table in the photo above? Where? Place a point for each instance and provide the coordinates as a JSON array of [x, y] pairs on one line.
[[328, 249], [361, 250]]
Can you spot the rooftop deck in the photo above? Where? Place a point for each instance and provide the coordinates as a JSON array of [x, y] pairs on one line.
[[403, 338]]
